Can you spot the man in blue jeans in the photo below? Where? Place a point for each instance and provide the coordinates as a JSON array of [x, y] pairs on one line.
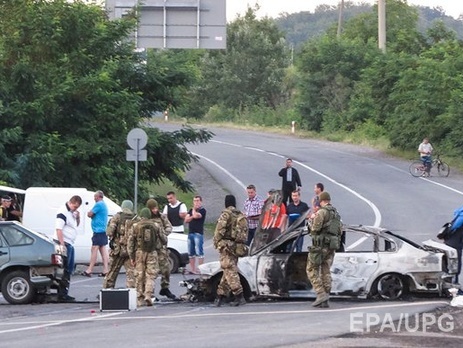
[[195, 219], [66, 223]]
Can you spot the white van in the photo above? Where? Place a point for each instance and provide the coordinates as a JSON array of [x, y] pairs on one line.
[[40, 204]]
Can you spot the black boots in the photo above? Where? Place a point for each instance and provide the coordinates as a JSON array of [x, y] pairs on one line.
[[238, 301], [166, 292], [218, 301]]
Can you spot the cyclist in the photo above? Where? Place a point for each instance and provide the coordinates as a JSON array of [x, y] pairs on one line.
[[425, 150]]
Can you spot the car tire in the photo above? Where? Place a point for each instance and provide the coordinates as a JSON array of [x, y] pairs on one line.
[[17, 288], [390, 286], [215, 284], [174, 261]]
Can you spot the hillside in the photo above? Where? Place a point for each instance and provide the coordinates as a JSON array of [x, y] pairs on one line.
[[302, 26]]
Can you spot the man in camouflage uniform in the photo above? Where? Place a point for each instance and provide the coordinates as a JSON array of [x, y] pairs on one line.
[[228, 260], [163, 253], [117, 233], [321, 254], [144, 240]]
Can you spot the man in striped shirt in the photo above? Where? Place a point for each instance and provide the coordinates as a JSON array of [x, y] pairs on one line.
[[252, 209]]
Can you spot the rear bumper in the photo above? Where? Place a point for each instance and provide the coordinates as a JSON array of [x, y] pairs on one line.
[[41, 281]]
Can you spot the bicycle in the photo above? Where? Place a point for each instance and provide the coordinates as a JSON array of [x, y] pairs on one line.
[[417, 168]]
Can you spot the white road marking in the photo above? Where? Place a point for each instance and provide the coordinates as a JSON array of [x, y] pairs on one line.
[[442, 185], [259, 313], [40, 325], [234, 178]]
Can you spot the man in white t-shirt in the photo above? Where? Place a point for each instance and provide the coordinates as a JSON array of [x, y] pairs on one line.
[[176, 212], [66, 223], [425, 149]]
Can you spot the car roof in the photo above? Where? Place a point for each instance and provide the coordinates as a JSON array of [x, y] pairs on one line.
[[34, 233]]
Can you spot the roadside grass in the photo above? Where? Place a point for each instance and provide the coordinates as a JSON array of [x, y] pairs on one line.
[[159, 191]]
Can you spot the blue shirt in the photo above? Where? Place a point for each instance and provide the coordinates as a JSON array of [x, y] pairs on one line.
[[459, 220], [100, 217]]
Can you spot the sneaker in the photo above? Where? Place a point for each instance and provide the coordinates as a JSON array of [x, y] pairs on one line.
[[148, 302], [66, 298], [166, 292]]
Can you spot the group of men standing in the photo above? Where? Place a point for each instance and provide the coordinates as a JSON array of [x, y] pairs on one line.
[[325, 231], [137, 242]]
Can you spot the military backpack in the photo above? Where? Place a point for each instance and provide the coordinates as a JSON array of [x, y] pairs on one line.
[[147, 236], [239, 227], [332, 228]]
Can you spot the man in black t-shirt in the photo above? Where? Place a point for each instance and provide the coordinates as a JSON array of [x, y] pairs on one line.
[[294, 211], [195, 219]]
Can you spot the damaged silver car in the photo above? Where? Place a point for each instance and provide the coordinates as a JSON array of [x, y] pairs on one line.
[[371, 263]]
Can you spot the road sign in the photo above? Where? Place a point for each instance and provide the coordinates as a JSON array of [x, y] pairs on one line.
[[137, 139], [131, 155], [187, 24]]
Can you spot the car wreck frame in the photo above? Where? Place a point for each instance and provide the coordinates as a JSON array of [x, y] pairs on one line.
[[372, 262]]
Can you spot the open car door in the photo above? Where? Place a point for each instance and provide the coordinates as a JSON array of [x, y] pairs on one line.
[[274, 255]]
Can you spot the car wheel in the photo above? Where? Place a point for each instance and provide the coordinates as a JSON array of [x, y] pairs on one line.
[[174, 261], [215, 284], [17, 288], [391, 286]]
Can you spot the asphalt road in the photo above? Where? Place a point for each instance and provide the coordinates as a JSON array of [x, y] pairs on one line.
[[366, 187]]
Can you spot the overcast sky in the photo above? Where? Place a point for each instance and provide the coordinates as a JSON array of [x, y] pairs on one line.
[[272, 8]]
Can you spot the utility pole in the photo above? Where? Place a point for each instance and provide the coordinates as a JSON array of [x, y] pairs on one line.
[[340, 19], [382, 25]]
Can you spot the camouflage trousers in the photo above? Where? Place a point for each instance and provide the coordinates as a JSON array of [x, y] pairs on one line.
[[320, 275], [164, 267], [146, 269], [116, 262], [230, 277]]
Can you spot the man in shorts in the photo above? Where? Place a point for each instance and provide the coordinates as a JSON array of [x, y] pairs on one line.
[[99, 216]]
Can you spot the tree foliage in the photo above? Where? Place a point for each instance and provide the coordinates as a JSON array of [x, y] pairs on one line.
[[412, 91], [71, 87], [251, 71]]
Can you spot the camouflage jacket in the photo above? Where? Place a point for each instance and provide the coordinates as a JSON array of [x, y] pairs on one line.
[[165, 226], [320, 219], [117, 230], [223, 228]]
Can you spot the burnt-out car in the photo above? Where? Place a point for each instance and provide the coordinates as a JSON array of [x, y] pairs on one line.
[[372, 262], [30, 263]]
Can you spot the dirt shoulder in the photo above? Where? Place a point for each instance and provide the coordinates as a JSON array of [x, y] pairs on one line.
[[212, 193]]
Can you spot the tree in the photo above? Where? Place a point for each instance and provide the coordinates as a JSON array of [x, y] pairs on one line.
[[250, 72], [329, 69], [71, 87]]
